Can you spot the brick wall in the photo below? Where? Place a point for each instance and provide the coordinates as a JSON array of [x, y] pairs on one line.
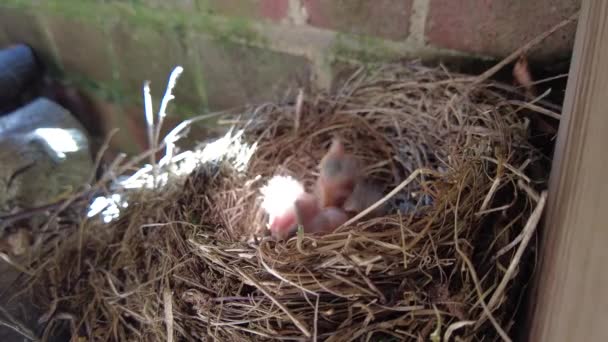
[[244, 51]]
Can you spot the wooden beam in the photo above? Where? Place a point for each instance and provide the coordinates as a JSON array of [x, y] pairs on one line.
[[570, 295]]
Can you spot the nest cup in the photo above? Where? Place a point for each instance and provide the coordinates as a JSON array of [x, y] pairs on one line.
[[453, 158]]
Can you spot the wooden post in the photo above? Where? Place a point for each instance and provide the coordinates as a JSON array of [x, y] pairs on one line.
[[569, 301]]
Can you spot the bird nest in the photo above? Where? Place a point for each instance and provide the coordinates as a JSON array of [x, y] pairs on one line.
[[191, 259]]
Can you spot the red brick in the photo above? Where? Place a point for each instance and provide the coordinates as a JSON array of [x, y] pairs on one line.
[[275, 10], [383, 18], [498, 27]]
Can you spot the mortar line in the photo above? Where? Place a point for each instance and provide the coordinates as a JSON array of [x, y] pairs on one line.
[[418, 18], [317, 44], [50, 40]]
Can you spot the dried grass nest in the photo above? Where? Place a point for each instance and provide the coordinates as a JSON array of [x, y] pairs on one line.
[[449, 262]]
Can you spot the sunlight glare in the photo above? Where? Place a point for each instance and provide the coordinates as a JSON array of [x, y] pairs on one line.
[[60, 140], [279, 195]]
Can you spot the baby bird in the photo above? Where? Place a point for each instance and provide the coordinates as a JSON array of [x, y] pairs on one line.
[[339, 172], [307, 212], [315, 219], [278, 198], [364, 195], [282, 225], [286, 224]]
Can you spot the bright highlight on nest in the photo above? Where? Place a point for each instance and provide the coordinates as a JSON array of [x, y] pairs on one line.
[[176, 264], [229, 148], [279, 195], [60, 141]]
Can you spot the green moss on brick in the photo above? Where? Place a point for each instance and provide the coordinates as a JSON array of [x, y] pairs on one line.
[[363, 49], [145, 25], [114, 93], [137, 14]]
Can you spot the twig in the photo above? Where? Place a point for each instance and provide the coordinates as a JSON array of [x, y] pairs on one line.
[[537, 109], [526, 234], [486, 310], [6, 258], [17, 326], [180, 131], [490, 194], [102, 150], [531, 192], [436, 334], [18, 330], [149, 115], [168, 304], [548, 79], [510, 167], [26, 213], [515, 90], [237, 298], [395, 191], [162, 112], [316, 320], [299, 104], [453, 327], [107, 176], [301, 325], [154, 129], [514, 55], [173, 136], [280, 277], [475, 278]]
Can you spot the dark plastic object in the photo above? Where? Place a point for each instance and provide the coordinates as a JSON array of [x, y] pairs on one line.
[[18, 68]]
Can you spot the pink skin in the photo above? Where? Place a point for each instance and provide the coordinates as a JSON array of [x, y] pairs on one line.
[[327, 221], [339, 172], [286, 224], [281, 225], [313, 219], [307, 213]]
